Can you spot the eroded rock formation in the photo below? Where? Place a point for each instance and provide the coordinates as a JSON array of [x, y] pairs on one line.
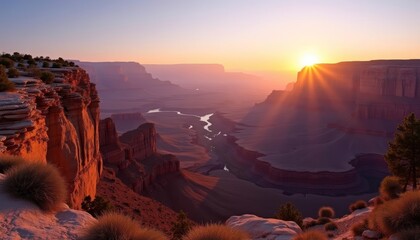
[[56, 123], [134, 156]]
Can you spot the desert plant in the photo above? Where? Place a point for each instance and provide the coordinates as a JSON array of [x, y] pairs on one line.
[[5, 83], [327, 212], [47, 77], [331, 226], [216, 232], [39, 183], [45, 64], [360, 204], [390, 188], [6, 62], [289, 212], [311, 235], [359, 227], [403, 155], [118, 227], [57, 65], [13, 73], [323, 220], [31, 62], [9, 161], [309, 224], [400, 214], [97, 207], [181, 226], [27, 57]]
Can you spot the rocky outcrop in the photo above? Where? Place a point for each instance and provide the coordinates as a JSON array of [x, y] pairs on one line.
[[142, 141], [133, 156], [22, 219], [379, 89], [264, 228], [56, 123]]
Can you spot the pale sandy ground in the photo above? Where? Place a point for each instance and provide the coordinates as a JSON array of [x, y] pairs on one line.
[[217, 197]]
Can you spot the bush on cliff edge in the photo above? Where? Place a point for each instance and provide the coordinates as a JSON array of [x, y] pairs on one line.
[[5, 83], [289, 212], [9, 161]]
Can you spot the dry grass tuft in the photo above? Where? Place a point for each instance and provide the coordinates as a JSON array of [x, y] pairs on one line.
[[327, 212], [360, 204], [114, 226], [9, 161], [359, 227], [390, 188], [216, 232], [311, 235], [39, 183]]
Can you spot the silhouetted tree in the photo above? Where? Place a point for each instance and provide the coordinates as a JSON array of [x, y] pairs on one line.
[[403, 155]]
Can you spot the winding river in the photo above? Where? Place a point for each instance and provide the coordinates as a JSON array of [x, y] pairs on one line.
[[204, 118]]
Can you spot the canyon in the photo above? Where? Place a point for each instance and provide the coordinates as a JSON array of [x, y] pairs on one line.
[[56, 123]]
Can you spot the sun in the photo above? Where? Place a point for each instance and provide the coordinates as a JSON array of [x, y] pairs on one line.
[[308, 60]]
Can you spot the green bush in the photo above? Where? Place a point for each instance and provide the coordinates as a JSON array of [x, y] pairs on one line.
[[9, 161], [39, 183], [5, 83], [311, 235], [47, 77], [57, 65], [331, 226], [359, 227], [96, 207], [289, 212], [360, 204], [7, 62], [215, 232], [390, 188], [13, 73], [327, 212], [45, 64], [181, 226], [119, 227]]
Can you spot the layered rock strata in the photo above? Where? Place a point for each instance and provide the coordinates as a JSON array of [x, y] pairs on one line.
[[56, 123], [134, 156]]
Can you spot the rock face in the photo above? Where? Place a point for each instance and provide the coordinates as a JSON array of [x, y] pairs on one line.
[[264, 228], [56, 123], [134, 156], [24, 220], [380, 89]]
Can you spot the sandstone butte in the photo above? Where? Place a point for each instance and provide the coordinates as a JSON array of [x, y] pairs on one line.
[[56, 123]]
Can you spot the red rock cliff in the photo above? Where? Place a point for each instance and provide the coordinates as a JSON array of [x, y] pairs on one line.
[[56, 123]]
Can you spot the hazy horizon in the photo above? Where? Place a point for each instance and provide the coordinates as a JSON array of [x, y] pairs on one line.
[[241, 35]]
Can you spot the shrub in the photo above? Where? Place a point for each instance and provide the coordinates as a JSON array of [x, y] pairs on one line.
[[331, 226], [20, 65], [181, 226], [360, 204], [96, 207], [39, 183], [6, 62], [399, 214], [5, 83], [323, 220], [309, 224], [390, 188], [215, 232], [311, 235], [27, 57], [359, 227], [289, 212], [45, 64], [327, 212], [47, 77], [13, 73], [9, 161], [56, 65], [118, 227], [31, 62]]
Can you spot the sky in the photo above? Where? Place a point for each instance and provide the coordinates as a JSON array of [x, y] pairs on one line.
[[254, 35]]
